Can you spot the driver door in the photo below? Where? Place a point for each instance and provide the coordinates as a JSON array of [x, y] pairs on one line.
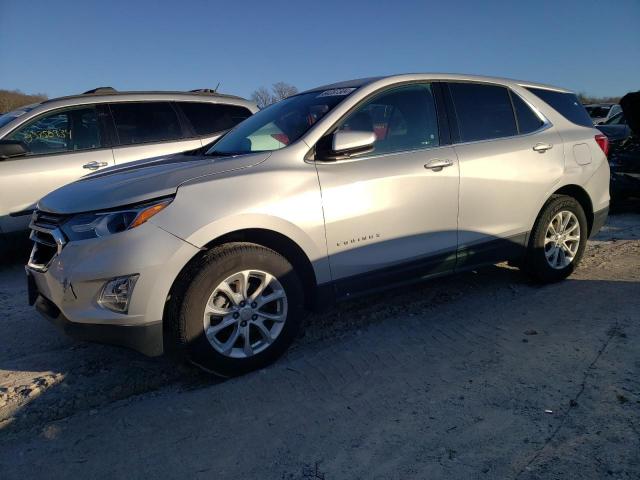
[[391, 213], [62, 145]]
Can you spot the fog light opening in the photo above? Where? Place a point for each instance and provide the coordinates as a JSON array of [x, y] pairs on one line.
[[116, 293]]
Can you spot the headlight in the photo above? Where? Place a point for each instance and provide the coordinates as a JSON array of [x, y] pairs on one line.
[[101, 224]]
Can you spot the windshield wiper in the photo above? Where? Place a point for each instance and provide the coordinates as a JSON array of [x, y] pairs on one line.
[[225, 154]]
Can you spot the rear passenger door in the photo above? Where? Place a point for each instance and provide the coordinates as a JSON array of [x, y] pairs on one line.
[[148, 129], [509, 157], [208, 121]]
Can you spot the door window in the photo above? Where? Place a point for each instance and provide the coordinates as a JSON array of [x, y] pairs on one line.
[[207, 118], [484, 111], [145, 122], [402, 119], [61, 131]]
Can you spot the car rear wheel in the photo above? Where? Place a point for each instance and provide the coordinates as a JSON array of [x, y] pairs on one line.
[[241, 309], [558, 240]]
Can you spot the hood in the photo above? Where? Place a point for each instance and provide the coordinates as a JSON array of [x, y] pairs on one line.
[[139, 181]]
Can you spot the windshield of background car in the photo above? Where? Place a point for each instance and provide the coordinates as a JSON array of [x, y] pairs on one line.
[[617, 119], [280, 124], [11, 116]]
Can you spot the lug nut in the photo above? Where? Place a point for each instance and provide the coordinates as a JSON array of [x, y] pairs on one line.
[[243, 303], [254, 304], [236, 315], [254, 317], [243, 324]]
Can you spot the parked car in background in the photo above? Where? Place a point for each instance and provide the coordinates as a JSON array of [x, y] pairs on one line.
[[601, 112], [624, 157], [331, 193], [617, 119], [46, 145]]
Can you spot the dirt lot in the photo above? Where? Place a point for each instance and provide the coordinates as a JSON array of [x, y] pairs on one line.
[[481, 375]]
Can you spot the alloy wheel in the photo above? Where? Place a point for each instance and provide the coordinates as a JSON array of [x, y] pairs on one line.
[[562, 239], [245, 313]]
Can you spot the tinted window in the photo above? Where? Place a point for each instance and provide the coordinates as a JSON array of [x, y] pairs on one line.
[[483, 111], [209, 118], [61, 131], [145, 122], [528, 121], [566, 104], [402, 119]]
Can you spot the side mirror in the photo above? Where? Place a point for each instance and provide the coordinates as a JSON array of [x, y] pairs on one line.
[[347, 143], [12, 148]]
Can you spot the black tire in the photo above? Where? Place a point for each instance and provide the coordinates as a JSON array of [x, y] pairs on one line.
[[536, 263], [185, 317]]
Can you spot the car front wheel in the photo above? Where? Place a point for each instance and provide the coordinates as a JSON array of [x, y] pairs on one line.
[[241, 309]]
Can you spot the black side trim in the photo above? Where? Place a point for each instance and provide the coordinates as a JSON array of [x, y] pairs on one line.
[[492, 251], [396, 275], [599, 219], [474, 255], [146, 339]]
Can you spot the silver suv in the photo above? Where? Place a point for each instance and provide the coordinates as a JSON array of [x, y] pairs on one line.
[[50, 144], [335, 192]]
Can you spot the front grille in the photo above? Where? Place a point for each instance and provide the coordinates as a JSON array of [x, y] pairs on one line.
[[47, 237]]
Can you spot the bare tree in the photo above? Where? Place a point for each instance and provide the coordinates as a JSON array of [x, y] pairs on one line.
[[12, 99], [283, 90], [279, 91], [587, 99], [262, 97]]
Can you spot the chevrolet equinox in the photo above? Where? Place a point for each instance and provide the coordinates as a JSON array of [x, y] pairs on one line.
[[334, 192]]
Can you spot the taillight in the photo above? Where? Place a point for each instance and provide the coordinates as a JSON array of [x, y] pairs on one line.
[[603, 142]]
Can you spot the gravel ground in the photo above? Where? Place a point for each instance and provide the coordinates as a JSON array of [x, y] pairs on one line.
[[480, 375]]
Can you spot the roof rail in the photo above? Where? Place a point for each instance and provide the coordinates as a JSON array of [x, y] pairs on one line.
[[100, 90], [204, 90]]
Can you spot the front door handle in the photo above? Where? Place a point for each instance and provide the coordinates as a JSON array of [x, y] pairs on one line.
[[94, 165], [438, 164], [542, 147]]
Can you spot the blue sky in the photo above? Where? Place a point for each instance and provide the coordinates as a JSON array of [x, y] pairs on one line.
[[64, 47]]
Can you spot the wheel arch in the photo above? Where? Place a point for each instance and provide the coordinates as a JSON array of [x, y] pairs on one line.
[[582, 197], [271, 239]]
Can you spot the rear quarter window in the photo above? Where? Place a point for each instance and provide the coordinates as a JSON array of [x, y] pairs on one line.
[[566, 104]]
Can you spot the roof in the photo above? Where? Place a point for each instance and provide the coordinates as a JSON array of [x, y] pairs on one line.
[[357, 83], [105, 95]]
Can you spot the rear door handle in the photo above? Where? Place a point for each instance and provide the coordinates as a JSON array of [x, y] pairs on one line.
[[438, 164], [95, 165], [542, 147]]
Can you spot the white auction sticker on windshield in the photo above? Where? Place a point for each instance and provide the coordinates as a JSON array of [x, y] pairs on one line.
[[334, 92]]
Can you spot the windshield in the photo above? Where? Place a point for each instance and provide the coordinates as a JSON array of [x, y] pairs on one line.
[[617, 119], [281, 124], [11, 116], [598, 111]]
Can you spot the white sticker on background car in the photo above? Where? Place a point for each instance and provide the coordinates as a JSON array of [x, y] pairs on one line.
[[336, 92]]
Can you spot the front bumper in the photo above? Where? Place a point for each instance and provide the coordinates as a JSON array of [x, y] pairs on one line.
[[146, 339], [68, 290]]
